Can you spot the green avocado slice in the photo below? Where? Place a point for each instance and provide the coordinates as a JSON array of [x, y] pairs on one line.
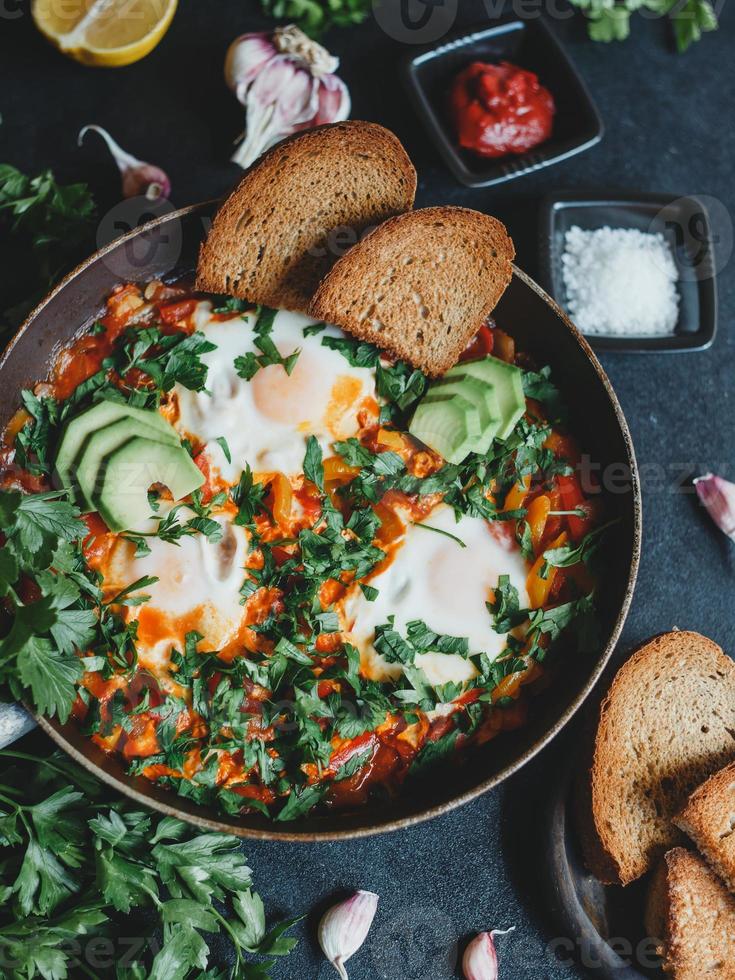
[[479, 393], [98, 447], [130, 470], [79, 429], [507, 382], [449, 424]]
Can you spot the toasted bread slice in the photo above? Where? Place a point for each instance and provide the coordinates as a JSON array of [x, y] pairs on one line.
[[421, 285], [693, 914], [708, 817], [298, 207], [666, 724]]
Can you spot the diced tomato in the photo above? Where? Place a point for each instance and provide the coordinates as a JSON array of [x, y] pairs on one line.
[[328, 643], [98, 541], [570, 493], [354, 746], [142, 740], [172, 313], [249, 791], [480, 345], [207, 489], [28, 591]]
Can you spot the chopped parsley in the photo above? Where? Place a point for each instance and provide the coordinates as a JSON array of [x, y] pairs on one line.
[[248, 365]]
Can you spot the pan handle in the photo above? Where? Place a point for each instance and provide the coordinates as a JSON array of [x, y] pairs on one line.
[[14, 722]]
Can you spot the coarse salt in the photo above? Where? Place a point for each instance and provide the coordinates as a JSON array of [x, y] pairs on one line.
[[620, 281]]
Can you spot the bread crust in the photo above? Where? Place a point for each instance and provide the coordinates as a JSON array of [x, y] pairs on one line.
[[420, 285], [708, 818], [667, 723], [314, 193], [698, 918]]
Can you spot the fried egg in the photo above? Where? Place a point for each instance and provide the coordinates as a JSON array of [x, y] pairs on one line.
[[266, 421], [433, 578], [197, 588]]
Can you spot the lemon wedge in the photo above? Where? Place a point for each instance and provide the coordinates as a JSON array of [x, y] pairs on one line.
[[106, 33]]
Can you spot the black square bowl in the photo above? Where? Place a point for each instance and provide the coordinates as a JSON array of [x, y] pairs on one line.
[[529, 44], [685, 224]]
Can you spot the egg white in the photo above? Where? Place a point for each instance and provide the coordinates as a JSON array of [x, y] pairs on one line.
[[266, 421], [435, 579], [197, 588]]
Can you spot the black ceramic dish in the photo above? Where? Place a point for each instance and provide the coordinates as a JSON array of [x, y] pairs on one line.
[[529, 44], [167, 248], [683, 221], [600, 927]]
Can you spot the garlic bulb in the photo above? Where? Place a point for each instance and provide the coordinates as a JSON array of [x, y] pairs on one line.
[[138, 177], [287, 83], [344, 928], [480, 960], [718, 497]]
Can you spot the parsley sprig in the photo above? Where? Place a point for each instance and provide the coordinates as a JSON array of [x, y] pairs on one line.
[[248, 365], [611, 21], [74, 866], [52, 228]]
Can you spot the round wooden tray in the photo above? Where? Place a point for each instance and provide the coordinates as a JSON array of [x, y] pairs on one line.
[[601, 927]]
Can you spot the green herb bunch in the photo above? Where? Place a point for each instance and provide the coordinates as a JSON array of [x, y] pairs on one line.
[[609, 20], [100, 889], [316, 16], [52, 228]]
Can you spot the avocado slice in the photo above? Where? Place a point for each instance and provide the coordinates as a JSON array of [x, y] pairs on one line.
[[128, 473], [479, 393], [82, 426], [447, 423], [98, 447], [507, 382]]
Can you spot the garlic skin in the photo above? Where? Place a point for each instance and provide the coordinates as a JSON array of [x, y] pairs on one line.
[[480, 960], [718, 497], [287, 83], [344, 928], [138, 177], [245, 57]]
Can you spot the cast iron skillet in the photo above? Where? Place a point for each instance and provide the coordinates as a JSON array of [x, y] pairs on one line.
[[168, 246]]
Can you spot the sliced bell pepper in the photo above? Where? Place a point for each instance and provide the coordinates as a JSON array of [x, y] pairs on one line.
[[539, 588], [536, 517]]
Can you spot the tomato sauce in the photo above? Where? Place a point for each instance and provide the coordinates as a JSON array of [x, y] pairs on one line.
[[500, 109]]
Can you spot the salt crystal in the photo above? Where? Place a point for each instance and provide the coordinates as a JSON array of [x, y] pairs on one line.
[[621, 282]]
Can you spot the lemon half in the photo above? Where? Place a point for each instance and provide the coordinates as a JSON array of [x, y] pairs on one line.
[[106, 33]]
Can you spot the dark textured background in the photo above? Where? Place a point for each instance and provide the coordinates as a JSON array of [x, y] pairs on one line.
[[669, 122]]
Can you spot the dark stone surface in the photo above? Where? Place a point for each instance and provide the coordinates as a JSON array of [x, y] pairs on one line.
[[670, 129]]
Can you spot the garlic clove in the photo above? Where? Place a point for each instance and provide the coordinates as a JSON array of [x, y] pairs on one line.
[[333, 101], [344, 928], [279, 101], [138, 177], [718, 497], [480, 960], [286, 83], [245, 58]]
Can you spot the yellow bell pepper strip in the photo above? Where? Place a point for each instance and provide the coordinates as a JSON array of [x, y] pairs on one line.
[[538, 588], [517, 494], [538, 512], [392, 439], [336, 470], [281, 493]]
